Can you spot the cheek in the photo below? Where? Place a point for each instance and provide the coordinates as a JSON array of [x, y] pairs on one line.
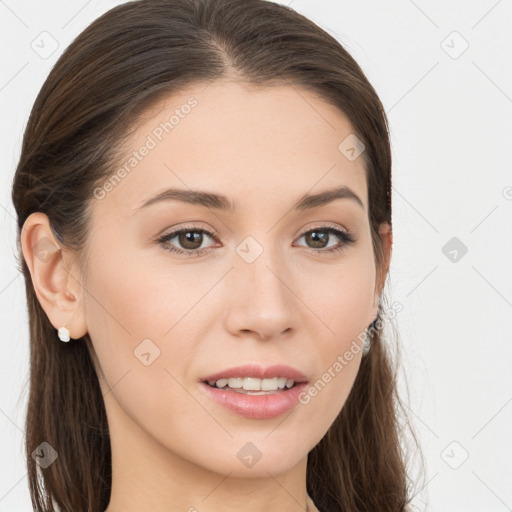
[[340, 296], [133, 297], [340, 301]]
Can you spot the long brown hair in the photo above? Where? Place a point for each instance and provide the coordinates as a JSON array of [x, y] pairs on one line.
[[125, 61]]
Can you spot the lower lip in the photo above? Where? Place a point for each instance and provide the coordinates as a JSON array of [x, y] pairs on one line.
[[256, 407]]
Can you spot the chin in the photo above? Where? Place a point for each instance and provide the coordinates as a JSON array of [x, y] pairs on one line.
[[253, 460]]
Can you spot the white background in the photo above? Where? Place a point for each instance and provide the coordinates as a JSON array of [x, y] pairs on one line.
[[451, 127]]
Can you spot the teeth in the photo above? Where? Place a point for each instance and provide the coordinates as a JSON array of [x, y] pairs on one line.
[[270, 384], [253, 383], [222, 382], [235, 383]]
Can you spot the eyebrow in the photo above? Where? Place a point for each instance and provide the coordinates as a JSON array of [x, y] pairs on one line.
[[221, 202]]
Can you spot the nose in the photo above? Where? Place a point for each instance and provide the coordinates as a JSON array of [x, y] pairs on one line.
[[263, 303]]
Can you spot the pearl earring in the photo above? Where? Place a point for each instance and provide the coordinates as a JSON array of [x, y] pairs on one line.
[[64, 333], [367, 343]]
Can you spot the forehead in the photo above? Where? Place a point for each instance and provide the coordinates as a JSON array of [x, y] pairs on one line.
[[244, 141]]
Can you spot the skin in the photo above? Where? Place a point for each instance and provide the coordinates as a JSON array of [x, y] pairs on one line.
[[172, 447]]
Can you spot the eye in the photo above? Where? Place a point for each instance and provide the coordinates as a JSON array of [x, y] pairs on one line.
[[320, 235], [191, 239]]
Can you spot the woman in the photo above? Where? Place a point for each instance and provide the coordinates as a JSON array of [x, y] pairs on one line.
[[204, 213]]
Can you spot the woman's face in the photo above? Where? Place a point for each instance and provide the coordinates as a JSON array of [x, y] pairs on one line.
[[255, 284]]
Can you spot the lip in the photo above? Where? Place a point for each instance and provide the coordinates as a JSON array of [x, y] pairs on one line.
[[254, 370], [250, 406], [257, 407]]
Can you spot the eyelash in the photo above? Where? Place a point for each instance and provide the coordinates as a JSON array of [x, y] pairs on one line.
[[345, 236]]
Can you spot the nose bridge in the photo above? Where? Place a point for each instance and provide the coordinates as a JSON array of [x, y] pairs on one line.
[[263, 269]]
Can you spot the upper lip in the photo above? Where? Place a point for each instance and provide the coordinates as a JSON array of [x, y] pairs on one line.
[[254, 370]]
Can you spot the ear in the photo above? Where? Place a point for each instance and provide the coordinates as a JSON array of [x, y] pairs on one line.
[[55, 279], [386, 235]]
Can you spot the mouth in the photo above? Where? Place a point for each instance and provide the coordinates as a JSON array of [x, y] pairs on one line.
[[255, 392]]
